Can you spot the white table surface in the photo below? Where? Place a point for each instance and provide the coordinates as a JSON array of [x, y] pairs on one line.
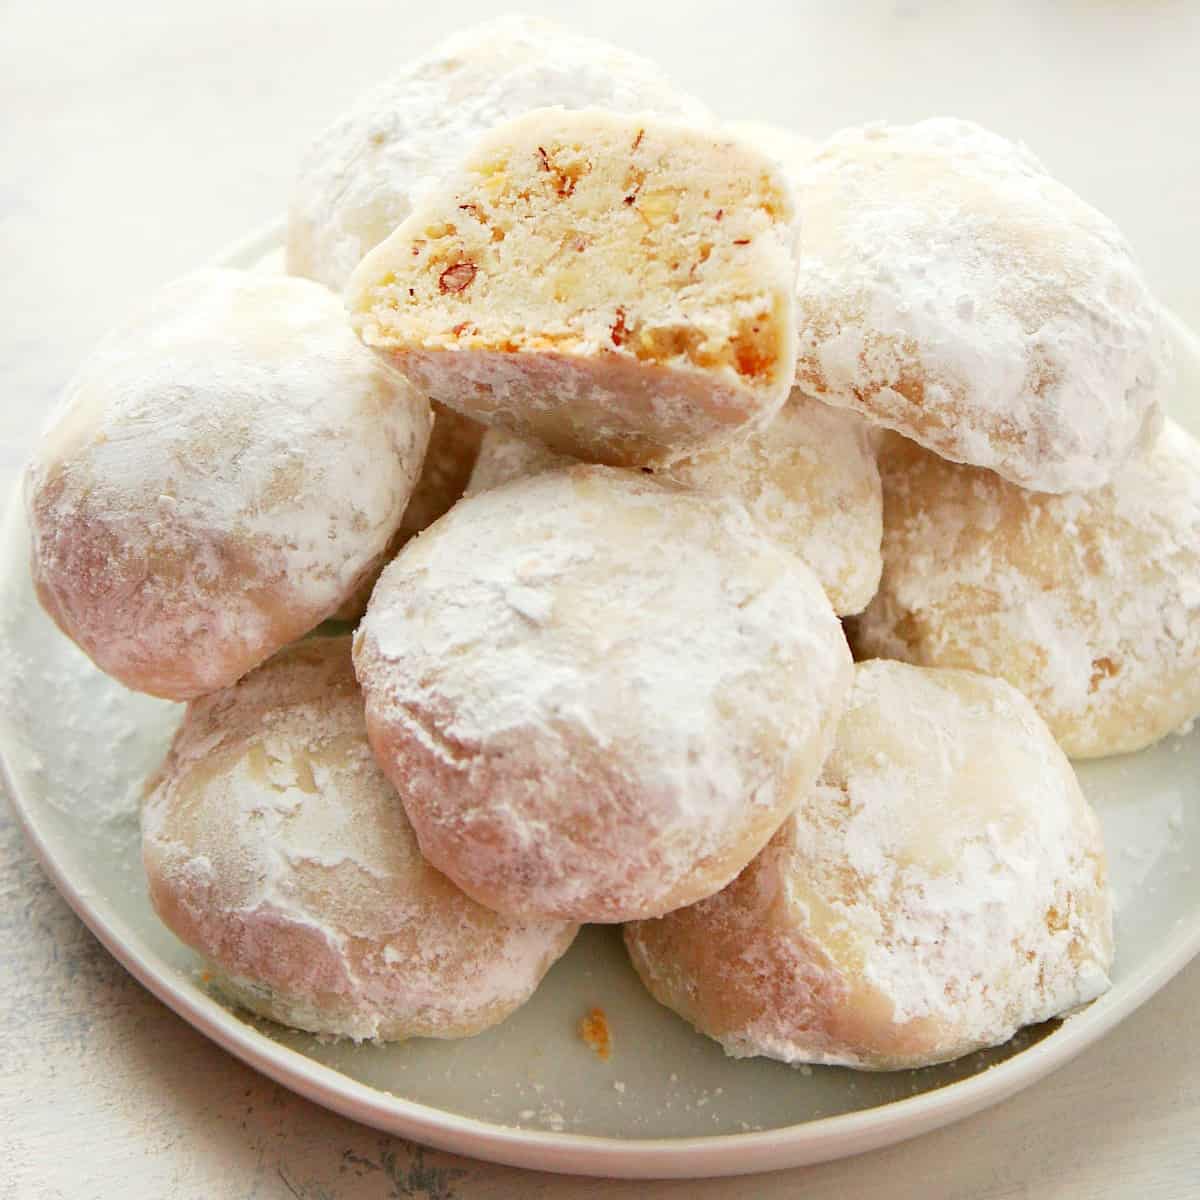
[[138, 138]]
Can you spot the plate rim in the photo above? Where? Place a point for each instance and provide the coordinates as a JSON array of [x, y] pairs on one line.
[[820, 1140]]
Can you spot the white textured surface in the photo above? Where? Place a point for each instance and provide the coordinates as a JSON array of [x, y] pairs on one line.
[[943, 885], [262, 480], [953, 290], [577, 733], [1088, 603], [274, 846], [139, 138]]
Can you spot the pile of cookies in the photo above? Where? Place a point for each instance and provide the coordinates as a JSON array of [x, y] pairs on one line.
[[647, 421]]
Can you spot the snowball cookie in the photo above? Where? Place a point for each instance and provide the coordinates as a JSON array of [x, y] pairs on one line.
[[620, 288], [951, 290], [578, 731], [275, 847], [809, 479], [223, 473], [453, 448], [943, 885], [361, 176], [1089, 604]]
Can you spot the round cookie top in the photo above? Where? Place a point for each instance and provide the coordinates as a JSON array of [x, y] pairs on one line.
[[361, 176], [950, 289], [221, 473], [275, 847], [600, 694], [943, 885], [1089, 604]]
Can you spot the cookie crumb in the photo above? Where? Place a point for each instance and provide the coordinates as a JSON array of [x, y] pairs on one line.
[[593, 1029]]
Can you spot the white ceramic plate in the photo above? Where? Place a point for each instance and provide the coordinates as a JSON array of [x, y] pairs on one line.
[[75, 747]]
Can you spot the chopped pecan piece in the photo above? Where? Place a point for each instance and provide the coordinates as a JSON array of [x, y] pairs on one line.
[[457, 277], [618, 331]]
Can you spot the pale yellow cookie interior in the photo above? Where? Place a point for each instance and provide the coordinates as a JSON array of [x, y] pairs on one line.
[[619, 287]]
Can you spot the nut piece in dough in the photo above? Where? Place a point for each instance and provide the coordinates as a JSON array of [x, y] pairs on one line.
[[1089, 604], [577, 731], [942, 886], [619, 288], [275, 847], [453, 448], [362, 175], [223, 473], [809, 479], [953, 291]]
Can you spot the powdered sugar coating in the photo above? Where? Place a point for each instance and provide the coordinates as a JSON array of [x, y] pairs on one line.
[[943, 885], [446, 470], [578, 731], [950, 289], [505, 456], [809, 480], [276, 848], [222, 473], [453, 449], [1089, 604], [362, 175]]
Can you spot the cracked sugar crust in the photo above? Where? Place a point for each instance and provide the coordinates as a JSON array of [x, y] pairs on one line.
[[1089, 604], [222, 473], [275, 847], [576, 731], [951, 290], [808, 479], [619, 288], [362, 176], [943, 885], [453, 448]]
